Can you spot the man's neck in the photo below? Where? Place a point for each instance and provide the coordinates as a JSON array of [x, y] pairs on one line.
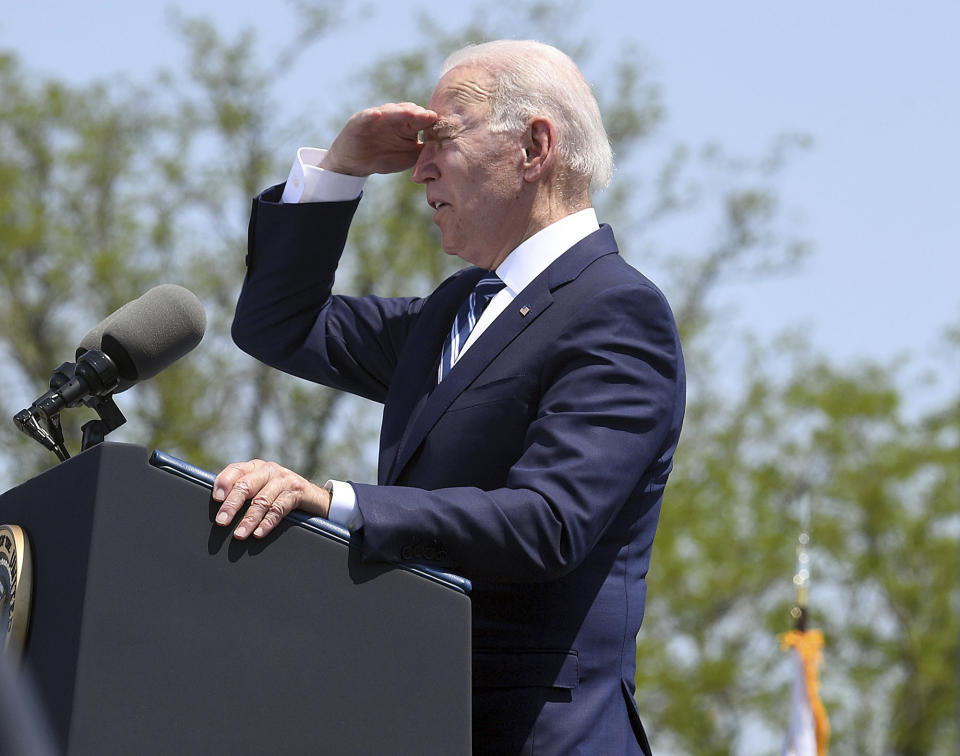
[[551, 206], [547, 203]]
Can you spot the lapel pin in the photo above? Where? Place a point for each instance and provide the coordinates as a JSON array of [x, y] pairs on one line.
[[524, 310]]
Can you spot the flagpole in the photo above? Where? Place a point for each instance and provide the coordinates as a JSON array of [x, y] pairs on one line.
[[801, 578]]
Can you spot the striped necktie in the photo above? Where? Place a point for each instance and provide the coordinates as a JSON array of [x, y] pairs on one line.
[[467, 317]]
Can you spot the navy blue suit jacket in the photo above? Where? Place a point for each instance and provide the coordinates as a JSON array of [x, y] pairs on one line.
[[536, 468]]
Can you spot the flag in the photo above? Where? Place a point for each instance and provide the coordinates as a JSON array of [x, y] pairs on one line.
[[809, 730]]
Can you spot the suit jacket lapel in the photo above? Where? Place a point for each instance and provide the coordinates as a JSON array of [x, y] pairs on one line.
[[431, 402], [508, 325], [416, 372]]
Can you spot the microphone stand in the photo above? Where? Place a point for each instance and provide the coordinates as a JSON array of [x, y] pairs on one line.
[[94, 431]]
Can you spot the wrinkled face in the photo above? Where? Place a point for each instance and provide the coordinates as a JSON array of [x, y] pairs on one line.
[[473, 176]]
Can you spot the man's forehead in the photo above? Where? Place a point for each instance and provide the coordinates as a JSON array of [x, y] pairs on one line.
[[463, 87]]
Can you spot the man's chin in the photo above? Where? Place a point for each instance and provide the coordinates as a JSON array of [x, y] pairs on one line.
[[464, 253]]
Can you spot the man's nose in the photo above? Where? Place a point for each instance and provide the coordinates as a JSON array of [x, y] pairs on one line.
[[425, 168]]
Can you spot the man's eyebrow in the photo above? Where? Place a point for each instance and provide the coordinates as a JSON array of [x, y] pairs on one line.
[[441, 124]]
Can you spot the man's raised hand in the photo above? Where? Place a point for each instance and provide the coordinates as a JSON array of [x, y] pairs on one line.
[[379, 140]]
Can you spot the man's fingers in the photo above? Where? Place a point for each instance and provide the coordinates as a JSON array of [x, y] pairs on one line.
[[411, 124], [282, 505], [237, 483], [235, 473], [267, 507], [405, 110], [393, 116], [273, 492], [227, 477]]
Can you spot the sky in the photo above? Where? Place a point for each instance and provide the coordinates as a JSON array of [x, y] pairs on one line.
[[873, 83]]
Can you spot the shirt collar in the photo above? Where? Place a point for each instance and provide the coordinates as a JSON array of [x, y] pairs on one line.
[[535, 254]]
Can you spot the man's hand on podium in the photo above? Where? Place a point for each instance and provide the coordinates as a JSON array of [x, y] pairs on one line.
[[273, 492]]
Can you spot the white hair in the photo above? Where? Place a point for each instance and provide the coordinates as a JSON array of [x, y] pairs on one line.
[[533, 78]]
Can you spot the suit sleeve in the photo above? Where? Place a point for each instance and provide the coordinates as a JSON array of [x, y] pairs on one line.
[[603, 435], [287, 316]]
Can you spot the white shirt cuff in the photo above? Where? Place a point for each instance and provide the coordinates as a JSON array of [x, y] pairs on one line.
[[343, 505], [308, 182]]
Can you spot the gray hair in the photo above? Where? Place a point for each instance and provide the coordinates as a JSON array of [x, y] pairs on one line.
[[532, 79]]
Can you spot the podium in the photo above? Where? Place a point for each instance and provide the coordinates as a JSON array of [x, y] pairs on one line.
[[153, 631]]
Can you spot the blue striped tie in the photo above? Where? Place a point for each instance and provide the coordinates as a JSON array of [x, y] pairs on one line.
[[467, 317]]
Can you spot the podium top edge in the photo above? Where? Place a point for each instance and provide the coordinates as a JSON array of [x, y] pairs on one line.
[[182, 469]]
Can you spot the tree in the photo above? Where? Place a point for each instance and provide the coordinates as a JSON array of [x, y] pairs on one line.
[[114, 188], [885, 556], [72, 223]]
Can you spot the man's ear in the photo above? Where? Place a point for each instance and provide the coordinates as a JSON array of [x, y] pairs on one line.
[[539, 148]]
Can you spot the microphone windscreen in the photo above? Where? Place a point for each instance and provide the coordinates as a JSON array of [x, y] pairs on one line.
[[149, 334]]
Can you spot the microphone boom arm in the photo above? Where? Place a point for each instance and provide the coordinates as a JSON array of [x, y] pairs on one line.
[[91, 381]]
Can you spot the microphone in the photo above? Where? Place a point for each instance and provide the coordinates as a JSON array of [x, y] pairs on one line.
[[149, 334], [134, 343]]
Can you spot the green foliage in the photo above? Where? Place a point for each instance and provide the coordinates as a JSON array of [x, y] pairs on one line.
[[885, 557], [69, 221], [106, 190]]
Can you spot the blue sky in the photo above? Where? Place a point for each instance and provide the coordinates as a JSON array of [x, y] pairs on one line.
[[873, 83]]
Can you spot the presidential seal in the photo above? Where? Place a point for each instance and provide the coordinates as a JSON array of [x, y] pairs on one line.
[[15, 589]]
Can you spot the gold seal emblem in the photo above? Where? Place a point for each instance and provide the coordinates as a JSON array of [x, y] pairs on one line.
[[15, 589]]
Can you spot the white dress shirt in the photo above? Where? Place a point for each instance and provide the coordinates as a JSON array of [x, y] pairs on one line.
[[308, 182]]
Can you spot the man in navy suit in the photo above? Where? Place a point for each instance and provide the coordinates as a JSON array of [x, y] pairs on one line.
[[533, 460]]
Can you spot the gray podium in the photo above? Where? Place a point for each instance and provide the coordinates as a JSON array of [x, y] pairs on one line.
[[152, 631]]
